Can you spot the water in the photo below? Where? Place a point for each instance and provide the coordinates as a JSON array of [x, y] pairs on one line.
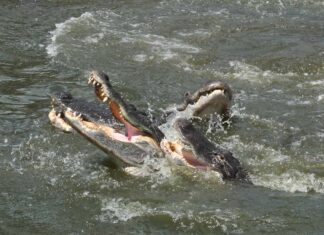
[[270, 52]]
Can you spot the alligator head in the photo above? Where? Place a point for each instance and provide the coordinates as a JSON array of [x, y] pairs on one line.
[[214, 97], [193, 149], [98, 125], [135, 121]]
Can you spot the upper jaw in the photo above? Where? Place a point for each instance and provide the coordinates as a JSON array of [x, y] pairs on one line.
[[100, 81]]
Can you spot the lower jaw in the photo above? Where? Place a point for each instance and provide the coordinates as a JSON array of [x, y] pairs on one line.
[[108, 131], [177, 153]]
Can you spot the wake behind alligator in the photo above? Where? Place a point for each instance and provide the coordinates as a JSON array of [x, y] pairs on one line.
[[129, 136]]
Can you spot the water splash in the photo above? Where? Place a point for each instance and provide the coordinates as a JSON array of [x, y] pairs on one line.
[[63, 28], [244, 71], [105, 28], [117, 210], [291, 181]]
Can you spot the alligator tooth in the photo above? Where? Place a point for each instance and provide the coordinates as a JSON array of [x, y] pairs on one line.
[[60, 115], [79, 116], [105, 99], [69, 109], [75, 113]]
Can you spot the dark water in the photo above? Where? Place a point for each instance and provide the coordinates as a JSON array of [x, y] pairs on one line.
[[270, 52]]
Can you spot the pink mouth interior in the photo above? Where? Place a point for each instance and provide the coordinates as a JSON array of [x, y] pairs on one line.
[[130, 129], [177, 150], [130, 133], [192, 160]]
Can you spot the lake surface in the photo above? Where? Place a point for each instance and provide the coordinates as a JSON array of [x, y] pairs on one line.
[[270, 52]]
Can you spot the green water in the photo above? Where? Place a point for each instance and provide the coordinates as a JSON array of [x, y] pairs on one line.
[[270, 53]]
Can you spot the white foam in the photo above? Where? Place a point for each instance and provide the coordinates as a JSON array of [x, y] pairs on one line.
[[240, 112], [275, 91], [291, 181], [116, 210], [103, 27], [262, 155], [140, 58], [298, 101], [93, 39], [318, 82], [166, 48], [197, 32], [61, 29], [320, 134], [122, 210], [223, 12], [243, 71]]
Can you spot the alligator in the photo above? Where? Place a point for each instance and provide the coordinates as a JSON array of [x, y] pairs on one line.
[[139, 137]]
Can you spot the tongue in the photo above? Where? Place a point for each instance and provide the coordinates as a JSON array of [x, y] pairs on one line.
[[130, 129], [192, 160]]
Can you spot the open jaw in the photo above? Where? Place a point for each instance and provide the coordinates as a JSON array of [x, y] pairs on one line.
[[194, 150], [98, 125], [186, 156], [124, 150], [178, 154], [136, 123]]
